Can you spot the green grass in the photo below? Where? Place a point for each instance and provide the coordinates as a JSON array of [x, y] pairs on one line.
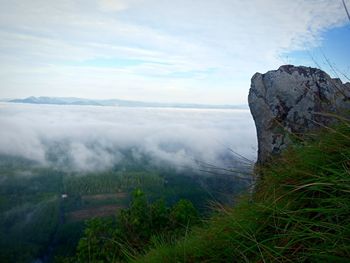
[[299, 212]]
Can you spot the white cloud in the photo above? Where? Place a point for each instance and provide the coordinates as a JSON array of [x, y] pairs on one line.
[[226, 40], [86, 138], [112, 5]]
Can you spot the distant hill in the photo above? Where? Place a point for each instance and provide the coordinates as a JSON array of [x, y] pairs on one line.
[[120, 103]]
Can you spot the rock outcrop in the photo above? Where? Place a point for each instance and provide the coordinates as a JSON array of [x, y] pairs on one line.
[[291, 101]]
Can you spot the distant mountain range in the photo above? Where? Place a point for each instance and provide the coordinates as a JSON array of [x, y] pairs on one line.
[[120, 103]]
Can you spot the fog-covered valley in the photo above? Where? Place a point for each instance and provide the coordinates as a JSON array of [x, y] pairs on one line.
[[92, 138], [63, 165]]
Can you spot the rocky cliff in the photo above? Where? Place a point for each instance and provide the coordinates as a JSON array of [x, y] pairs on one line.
[[291, 101]]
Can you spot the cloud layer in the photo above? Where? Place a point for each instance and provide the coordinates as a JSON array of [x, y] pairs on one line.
[[88, 138], [183, 51]]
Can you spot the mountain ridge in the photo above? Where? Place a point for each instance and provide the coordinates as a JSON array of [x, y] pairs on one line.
[[118, 103]]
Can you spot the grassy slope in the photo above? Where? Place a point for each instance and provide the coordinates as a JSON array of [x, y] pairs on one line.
[[299, 213]]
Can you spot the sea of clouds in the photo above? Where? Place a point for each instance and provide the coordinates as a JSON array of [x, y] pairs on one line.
[[90, 138]]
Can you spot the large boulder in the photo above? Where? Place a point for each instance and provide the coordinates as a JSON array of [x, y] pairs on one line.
[[291, 101]]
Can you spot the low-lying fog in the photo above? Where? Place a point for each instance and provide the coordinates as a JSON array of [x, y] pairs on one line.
[[88, 138]]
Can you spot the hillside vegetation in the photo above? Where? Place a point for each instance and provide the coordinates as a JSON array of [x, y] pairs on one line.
[[299, 212]]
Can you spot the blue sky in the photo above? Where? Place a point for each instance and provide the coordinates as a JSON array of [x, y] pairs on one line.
[[332, 55], [199, 51]]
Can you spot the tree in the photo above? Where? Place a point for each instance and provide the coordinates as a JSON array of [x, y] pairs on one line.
[[183, 214], [108, 240], [97, 243]]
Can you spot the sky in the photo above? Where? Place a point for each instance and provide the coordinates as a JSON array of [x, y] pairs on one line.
[[92, 138], [190, 51]]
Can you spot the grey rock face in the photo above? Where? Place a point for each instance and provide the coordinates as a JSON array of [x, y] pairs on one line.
[[291, 101]]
